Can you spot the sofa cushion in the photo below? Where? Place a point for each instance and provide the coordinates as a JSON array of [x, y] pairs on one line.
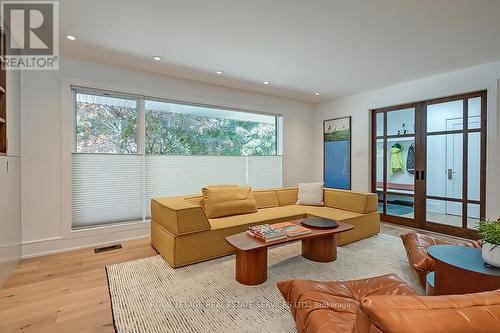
[[333, 306], [478, 313], [266, 199], [287, 196], [228, 200], [262, 216], [358, 202], [326, 212], [310, 194], [195, 200]]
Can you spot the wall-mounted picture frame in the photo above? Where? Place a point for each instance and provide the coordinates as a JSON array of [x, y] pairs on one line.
[[337, 153]]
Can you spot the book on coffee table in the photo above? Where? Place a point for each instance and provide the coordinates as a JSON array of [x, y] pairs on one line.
[[266, 232], [292, 229]]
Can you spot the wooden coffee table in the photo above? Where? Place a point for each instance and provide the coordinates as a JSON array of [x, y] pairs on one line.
[[251, 253]]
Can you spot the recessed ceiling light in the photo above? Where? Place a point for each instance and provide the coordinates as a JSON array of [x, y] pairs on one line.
[[266, 82], [70, 37], [219, 72], [317, 94], [157, 58]]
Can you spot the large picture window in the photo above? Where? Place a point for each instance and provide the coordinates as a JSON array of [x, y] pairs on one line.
[[177, 129], [129, 149]]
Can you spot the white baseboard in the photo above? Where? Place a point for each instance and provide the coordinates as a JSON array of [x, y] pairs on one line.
[[91, 238]]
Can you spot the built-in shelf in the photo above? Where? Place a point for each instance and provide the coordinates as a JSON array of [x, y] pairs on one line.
[[402, 139]]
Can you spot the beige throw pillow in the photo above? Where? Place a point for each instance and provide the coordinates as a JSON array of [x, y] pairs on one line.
[[310, 194]]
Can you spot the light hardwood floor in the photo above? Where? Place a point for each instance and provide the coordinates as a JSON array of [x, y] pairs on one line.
[[68, 292], [65, 292]]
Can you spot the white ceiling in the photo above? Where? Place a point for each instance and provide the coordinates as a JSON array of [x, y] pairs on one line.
[[336, 47]]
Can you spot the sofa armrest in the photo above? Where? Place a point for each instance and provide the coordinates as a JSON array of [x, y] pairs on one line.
[[178, 216], [358, 202]]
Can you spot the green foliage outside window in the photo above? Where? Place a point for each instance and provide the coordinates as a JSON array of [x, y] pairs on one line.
[[105, 128], [184, 134], [102, 128]]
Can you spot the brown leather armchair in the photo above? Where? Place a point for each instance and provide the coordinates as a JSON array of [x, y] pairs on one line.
[[416, 250], [387, 304]]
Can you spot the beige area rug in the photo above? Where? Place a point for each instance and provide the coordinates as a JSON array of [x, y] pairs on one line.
[[148, 295]]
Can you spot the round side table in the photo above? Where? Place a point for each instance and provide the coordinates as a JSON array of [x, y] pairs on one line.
[[460, 270]]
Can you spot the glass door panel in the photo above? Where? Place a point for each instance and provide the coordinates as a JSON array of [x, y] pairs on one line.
[[394, 158], [438, 211], [473, 215], [399, 205], [474, 112], [401, 122], [380, 124], [444, 165], [379, 165], [474, 166], [439, 116]]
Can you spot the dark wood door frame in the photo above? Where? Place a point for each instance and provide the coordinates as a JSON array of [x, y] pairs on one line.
[[420, 192]]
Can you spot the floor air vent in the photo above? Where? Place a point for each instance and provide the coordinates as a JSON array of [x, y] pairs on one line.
[[107, 248]]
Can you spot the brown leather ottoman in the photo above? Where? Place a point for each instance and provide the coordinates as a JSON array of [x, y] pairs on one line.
[[416, 250], [333, 306]]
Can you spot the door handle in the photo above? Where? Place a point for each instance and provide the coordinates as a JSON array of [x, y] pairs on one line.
[[450, 174]]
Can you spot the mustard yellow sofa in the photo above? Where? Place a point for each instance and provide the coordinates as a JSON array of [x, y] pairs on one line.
[[183, 234]]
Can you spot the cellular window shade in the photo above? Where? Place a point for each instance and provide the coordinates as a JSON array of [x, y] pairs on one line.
[[106, 189], [264, 171], [119, 188], [181, 175]]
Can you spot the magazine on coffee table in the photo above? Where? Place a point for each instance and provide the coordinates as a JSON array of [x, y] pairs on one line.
[[291, 229]]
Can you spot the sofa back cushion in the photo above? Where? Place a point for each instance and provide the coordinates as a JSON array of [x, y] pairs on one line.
[[358, 202], [478, 313], [225, 201], [266, 199], [287, 196]]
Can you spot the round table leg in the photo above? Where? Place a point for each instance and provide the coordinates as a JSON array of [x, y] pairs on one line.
[[322, 249], [251, 266]]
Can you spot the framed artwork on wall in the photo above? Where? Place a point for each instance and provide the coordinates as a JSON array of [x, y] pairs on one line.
[[337, 153]]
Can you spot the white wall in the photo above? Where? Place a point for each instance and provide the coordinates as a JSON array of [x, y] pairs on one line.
[[472, 79], [42, 167], [10, 182]]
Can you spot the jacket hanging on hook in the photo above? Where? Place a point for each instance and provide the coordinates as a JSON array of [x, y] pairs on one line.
[[397, 164]]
